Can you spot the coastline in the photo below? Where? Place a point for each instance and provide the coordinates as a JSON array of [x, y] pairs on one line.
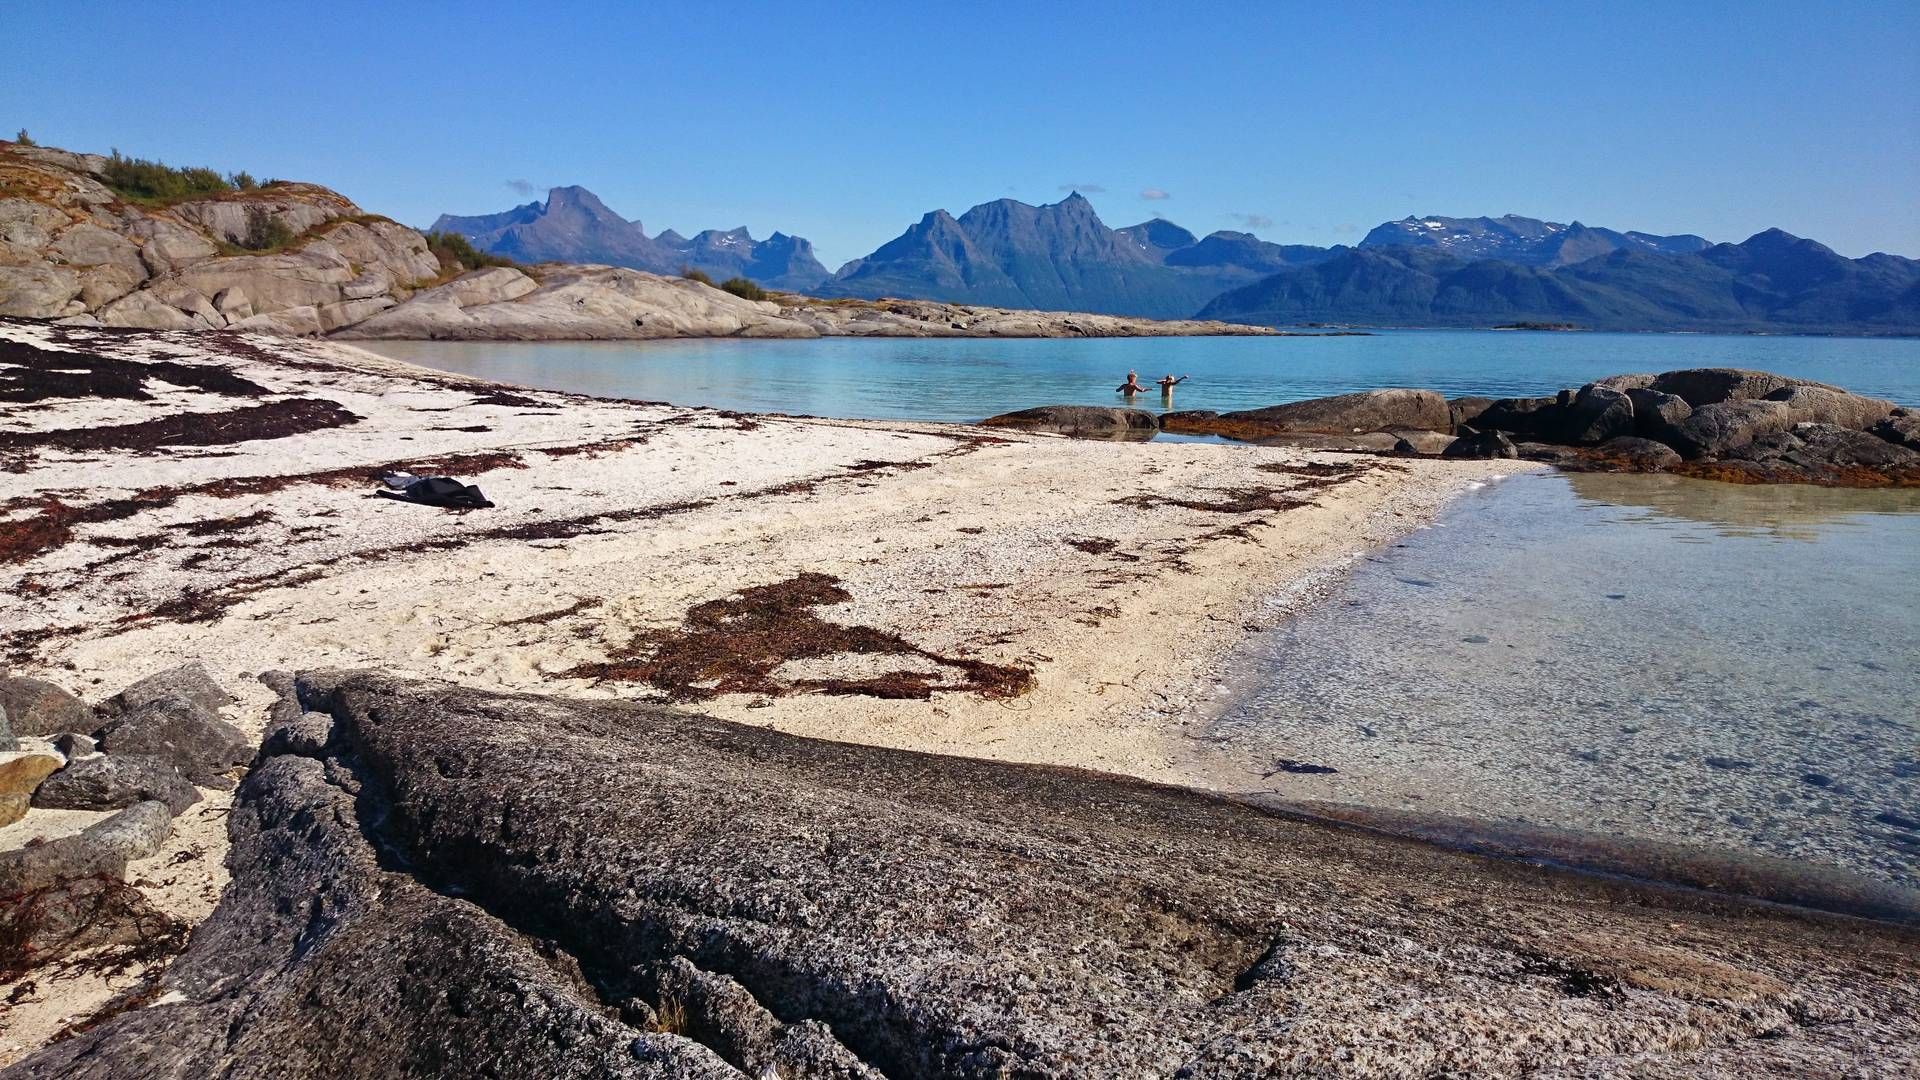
[[1104, 581]]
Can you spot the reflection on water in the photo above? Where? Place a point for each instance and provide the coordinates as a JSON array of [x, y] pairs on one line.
[[1799, 512], [1672, 659], [967, 379]]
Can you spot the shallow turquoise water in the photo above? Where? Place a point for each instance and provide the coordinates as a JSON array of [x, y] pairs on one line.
[[969, 379], [1677, 660]]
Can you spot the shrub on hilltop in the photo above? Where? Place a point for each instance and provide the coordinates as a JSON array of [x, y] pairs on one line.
[[700, 276], [140, 180], [744, 289], [457, 255]]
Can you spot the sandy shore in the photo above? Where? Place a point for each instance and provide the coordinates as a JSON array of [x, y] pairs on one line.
[[932, 587]]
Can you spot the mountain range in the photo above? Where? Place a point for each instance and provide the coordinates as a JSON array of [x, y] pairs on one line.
[[574, 226], [1418, 271], [1523, 240], [1773, 281]]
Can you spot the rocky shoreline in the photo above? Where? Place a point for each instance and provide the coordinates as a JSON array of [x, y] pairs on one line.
[[1728, 424], [745, 903], [73, 251]]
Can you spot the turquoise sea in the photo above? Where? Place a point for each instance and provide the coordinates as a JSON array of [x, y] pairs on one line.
[[971, 378]]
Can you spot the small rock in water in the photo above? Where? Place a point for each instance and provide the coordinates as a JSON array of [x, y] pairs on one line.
[[1587, 755], [1728, 763], [1616, 596], [1818, 779], [1419, 582], [1898, 821], [1475, 639]]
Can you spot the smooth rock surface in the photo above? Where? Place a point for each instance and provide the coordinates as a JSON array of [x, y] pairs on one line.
[[1083, 420], [1368, 410]]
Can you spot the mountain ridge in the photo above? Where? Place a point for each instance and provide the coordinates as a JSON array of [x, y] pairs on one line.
[[574, 226]]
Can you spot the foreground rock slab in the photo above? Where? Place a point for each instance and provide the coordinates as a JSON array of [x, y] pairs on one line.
[[479, 883]]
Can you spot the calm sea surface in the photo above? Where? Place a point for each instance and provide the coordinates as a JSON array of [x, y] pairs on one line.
[[1677, 660], [1639, 656], [968, 379]]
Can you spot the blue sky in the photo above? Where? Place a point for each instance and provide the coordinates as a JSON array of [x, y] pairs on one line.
[[1308, 122]]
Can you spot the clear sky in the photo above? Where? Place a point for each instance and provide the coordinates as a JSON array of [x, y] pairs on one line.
[[1308, 122]]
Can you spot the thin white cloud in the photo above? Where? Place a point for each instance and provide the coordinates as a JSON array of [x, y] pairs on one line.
[[1251, 222], [522, 187], [1155, 193]]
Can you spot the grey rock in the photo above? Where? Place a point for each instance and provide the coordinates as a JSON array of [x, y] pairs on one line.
[[435, 890], [1822, 446], [1810, 404], [1716, 428], [1467, 411], [1369, 410], [1596, 414], [37, 292], [1626, 384], [38, 707], [1085, 421], [1482, 444], [1640, 455], [7, 740], [1657, 415], [1902, 428], [104, 848], [111, 781], [205, 748], [75, 746], [146, 311], [1520, 416], [1710, 386], [187, 682]]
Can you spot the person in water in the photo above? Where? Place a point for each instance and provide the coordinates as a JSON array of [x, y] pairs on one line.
[[1167, 384], [1131, 386]]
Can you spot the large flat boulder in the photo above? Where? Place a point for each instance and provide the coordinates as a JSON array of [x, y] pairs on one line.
[[1368, 410], [1086, 421], [1710, 386], [479, 883], [1810, 404]]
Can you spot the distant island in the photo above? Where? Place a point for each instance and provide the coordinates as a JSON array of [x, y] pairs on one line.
[[1538, 326]]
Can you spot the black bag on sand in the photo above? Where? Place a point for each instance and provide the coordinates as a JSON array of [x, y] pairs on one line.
[[439, 491]]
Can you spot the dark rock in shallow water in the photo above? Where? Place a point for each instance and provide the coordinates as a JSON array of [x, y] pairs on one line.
[[1717, 428], [1819, 446], [1466, 411], [1482, 444], [433, 898], [1901, 428], [1638, 455], [1520, 416], [1597, 413], [197, 741], [1369, 410], [111, 781], [38, 707], [1081, 420], [1657, 415]]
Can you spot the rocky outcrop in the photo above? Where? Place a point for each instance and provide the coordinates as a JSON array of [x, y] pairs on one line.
[[659, 894], [1085, 421], [195, 740], [70, 248]]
